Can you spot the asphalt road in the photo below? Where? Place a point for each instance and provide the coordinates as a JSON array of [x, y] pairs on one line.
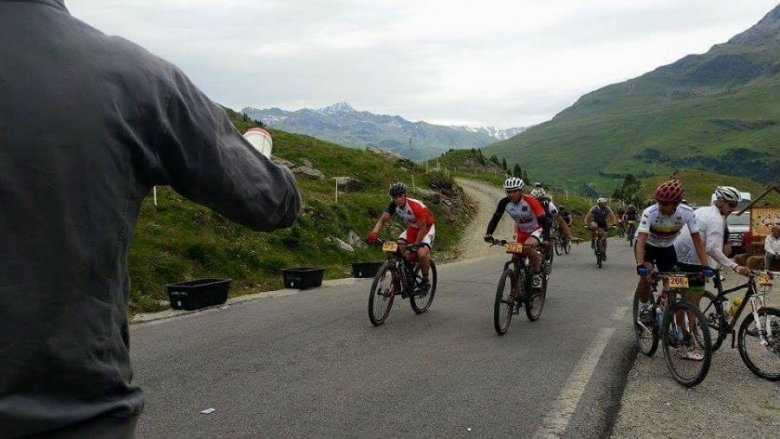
[[310, 363]]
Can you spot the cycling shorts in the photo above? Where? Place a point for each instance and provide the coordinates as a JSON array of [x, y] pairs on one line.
[[664, 258], [410, 236], [693, 281], [522, 236]]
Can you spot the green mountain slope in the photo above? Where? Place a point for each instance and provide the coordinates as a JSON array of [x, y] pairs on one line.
[[178, 240], [717, 111]]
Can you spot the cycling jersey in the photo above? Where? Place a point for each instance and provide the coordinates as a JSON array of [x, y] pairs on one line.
[[526, 214], [414, 213], [661, 230], [600, 214], [712, 227], [630, 216]]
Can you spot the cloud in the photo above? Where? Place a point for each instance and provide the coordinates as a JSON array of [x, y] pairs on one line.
[[502, 63]]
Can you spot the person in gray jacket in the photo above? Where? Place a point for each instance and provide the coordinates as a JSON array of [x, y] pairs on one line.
[[89, 123]]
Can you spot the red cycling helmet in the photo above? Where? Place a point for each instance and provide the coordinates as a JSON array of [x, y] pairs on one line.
[[669, 191]]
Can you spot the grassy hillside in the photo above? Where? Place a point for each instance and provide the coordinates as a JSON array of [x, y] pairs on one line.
[[179, 240], [468, 164], [699, 185], [717, 111]]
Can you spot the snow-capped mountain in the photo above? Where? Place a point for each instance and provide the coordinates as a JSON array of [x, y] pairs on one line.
[[343, 124], [493, 132]]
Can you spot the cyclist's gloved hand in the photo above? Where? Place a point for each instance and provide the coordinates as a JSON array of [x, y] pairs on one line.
[[488, 238], [708, 272], [372, 237], [642, 270]]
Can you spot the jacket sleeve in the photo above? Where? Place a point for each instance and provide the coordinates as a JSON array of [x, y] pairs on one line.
[[714, 229], [207, 160], [497, 216]]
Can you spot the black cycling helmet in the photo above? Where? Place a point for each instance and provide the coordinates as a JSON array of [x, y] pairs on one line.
[[397, 189]]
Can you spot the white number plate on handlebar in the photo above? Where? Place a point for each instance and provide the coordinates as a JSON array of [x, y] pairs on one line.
[[390, 246], [763, 278], [678, 282], [514, 247]]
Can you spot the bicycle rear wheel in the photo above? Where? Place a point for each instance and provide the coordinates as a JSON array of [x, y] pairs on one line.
[[762, 360], [420, 304], [646, 336], [687, 360], [382, 294], [504, 303], [713, 312], [534, 301]]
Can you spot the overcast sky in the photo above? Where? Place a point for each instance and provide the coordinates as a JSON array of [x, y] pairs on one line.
[[501, 63]]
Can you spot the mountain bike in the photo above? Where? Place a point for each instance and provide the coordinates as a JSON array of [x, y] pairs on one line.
[[630, 233], [514, 289], [600, 249], [679, 325], [562, 242], [621, 228], [399, 275], [758, 338]]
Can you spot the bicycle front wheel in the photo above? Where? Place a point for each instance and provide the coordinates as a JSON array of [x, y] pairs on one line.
[[534, 301], [713, 312], [686, 342], [420, 304], [759, 343], [504, 303], [646, 335], [382, 294], [560, 246], [567, 246]]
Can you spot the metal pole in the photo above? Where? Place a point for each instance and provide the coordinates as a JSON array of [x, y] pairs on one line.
[[154, 192]]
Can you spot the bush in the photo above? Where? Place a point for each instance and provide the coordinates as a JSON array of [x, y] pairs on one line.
[[439, 180]]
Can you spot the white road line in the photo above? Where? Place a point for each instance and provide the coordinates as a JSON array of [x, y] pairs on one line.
[[619, 313], [554, 424]]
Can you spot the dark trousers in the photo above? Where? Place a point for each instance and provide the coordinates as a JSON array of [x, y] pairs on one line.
[[108, 427]]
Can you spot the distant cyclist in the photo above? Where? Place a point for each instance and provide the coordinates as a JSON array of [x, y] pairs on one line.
[[631, 216], [420, 229], [531, 223], [555, 215], [597, 218]]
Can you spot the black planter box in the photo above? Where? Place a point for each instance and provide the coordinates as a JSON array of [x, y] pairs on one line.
[[199, 293], [303, 277], [366, 269]]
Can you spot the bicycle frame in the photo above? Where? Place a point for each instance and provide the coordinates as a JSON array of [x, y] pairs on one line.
[[405, 267], [751, 296]]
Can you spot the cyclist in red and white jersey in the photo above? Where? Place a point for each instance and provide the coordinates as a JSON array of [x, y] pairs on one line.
[[420, 228], [530, 223]]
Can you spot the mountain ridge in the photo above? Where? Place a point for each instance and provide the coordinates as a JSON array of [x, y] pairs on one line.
[[343, 124]]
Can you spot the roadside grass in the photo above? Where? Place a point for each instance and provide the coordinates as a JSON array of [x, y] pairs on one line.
[[178, 240]]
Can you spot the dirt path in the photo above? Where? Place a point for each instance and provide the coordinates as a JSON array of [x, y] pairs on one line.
[[486, 196]]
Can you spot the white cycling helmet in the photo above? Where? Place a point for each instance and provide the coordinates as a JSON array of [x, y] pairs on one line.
[[601, 201], [514, 184], [538, 192], [728, 194]]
